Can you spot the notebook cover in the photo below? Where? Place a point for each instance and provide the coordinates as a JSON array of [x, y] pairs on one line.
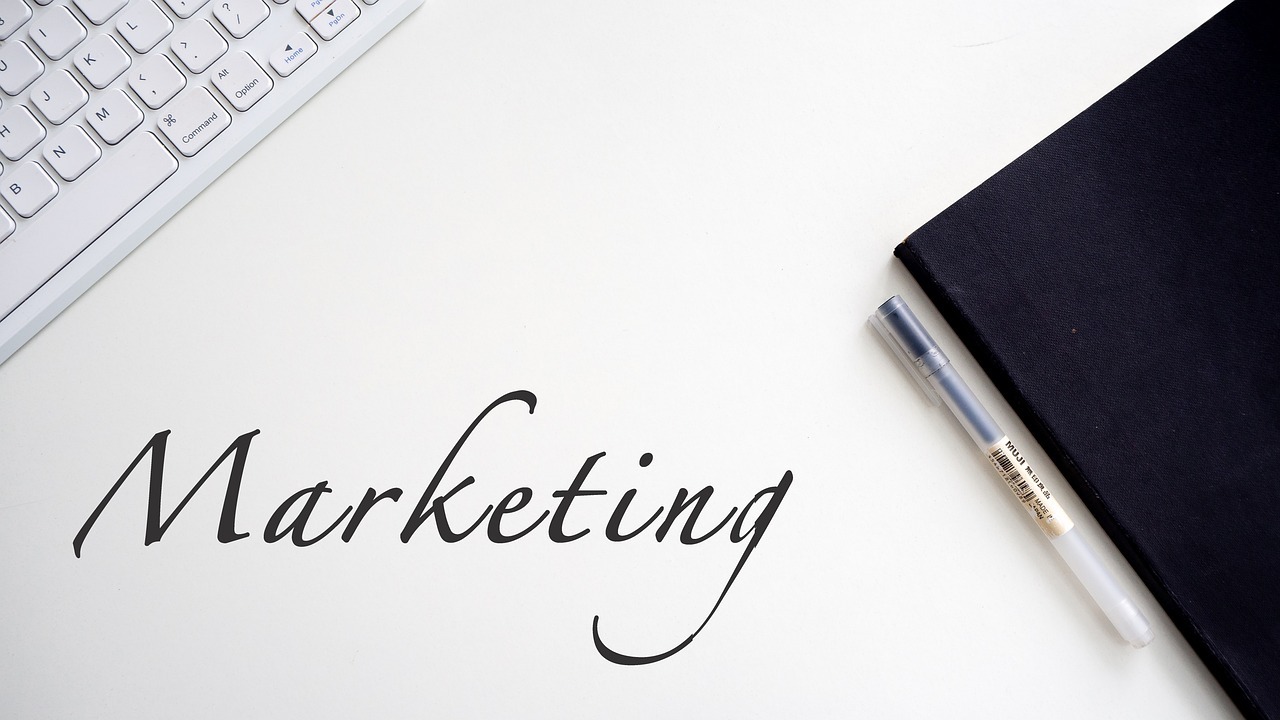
[[1120, 282]]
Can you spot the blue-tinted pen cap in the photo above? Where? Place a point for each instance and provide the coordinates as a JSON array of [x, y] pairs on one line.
[[910, 342]]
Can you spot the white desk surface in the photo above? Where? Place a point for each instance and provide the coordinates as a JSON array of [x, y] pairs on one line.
[[668, 220]]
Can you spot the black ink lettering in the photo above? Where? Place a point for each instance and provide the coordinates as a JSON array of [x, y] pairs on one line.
[[155, 528], [302, 504], [272, 533], [556, 529], [681, 502], [437, 510], [757, 531], [495, 529], [611, 531], [427, 507], [371, 498]]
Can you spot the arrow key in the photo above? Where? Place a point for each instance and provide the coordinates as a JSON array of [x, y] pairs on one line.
[[309, 9], [336, 19], [156, 81], [298, 50]]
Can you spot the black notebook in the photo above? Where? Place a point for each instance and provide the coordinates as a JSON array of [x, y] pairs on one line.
[[1120, 282]]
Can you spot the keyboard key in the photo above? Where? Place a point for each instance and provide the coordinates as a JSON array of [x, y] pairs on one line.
[[241, 80], [198, 45], [57, 31], [100, 11], [118, 183], [19, 132], [309, 9], [335, 19], [72, 152], [298, 50], [58, 95], [102, 60], [7, 225], [114, 116], [13, 13], [144, 25], [241, 16], [19, 67], [156, 81], [193, 120], [28, 188], [185, 8]]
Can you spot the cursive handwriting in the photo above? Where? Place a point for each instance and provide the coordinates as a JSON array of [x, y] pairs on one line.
[[292, 519]]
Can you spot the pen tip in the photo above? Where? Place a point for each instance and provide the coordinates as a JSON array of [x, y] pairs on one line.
[[1143, 640]]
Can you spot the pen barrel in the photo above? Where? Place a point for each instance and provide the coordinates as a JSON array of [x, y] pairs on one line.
[[925, 361], [1103, 588], [965, 406]]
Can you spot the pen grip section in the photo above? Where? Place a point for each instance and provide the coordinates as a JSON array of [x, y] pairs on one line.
[[1103, 588]]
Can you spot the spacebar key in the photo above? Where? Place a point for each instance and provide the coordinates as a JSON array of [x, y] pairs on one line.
[[40, 249]]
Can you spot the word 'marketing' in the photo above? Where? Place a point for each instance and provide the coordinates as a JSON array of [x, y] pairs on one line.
[[501, 523]]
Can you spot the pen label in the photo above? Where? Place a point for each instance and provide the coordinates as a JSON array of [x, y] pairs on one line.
[[1022, 480]]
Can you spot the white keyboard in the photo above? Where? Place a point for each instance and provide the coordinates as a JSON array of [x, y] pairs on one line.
[[115, 113]]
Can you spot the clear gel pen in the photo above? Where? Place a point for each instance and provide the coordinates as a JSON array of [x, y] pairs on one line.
[[930, 367]]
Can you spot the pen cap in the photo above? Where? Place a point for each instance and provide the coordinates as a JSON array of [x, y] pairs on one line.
[[909, 341]]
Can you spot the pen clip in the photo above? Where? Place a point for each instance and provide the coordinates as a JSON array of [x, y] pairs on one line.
[[901, 354]]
